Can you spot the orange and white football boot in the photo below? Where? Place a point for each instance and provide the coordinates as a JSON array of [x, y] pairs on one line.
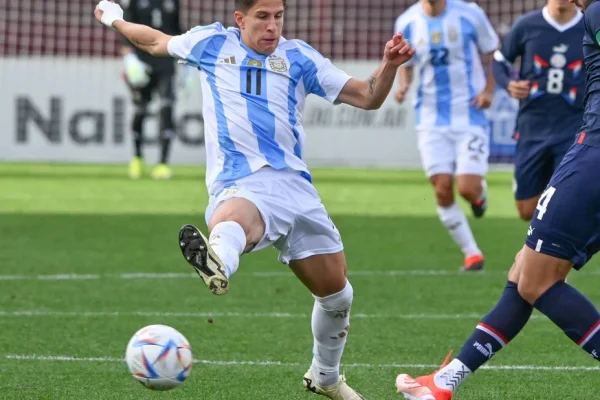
[[423, 387]]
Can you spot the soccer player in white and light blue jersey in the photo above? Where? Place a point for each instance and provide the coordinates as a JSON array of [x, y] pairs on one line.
[[254, 85], [449, 37]]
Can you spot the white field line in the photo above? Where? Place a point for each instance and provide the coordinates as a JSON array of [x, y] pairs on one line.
[[257, 274], [275, 315], [34, 357]]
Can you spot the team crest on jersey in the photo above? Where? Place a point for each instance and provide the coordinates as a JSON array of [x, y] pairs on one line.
[[254, 63], [169, 6], [277, 64], [558, 60], [452, 35], [436, 37]]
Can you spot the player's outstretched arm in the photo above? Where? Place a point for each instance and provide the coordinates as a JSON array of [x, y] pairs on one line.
[[371, 94], [143, 37]]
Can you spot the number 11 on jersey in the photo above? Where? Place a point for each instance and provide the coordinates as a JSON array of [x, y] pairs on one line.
[[254, 81]]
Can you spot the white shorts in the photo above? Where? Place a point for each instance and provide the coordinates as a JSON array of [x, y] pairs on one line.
[[296, 222], [448, 150]]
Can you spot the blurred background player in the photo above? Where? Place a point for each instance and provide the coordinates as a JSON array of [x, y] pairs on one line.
[[452, 129], [564, 235], [254, 88], [550, 88], [147, 75]]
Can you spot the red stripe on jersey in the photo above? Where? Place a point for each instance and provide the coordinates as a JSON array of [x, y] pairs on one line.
[[541, 61]]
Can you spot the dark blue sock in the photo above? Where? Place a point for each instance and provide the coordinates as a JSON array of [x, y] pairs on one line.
[[572, 312], [497, 328]]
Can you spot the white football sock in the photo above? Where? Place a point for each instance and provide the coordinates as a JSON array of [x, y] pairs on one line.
[[330, 326], [451, 375], [228, 240], [455, 220]]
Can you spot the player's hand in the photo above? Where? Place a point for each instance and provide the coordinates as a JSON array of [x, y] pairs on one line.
[[108, 12], [400, 94], [398, 50], [136, 71], [519, 89], [483, 100]]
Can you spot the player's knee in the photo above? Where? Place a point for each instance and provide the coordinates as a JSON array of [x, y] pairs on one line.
[[243, 212], [443, 191], [167, 125], [538, 273], [530, 289], [337, 302], [166, 101], [138, 120]]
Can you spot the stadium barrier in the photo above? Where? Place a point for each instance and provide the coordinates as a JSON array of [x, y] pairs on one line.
[[78, 110]]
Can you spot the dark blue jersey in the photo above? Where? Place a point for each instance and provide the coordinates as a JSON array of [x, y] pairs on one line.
[[552, 61], [591, 51]]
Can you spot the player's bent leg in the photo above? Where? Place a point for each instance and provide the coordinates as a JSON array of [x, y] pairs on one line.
[[542, 284], [325, 276], [473, 188], [496, 330], [472, 153], [136, 165], [564, 235], [236, 226], [243, 212], [322, 274], [142, 96], [443, 185], [526, 207], [166, 125], [455, 221], [539, 272]]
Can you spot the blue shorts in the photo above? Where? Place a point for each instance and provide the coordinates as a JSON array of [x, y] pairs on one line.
[[535, 161], [566, 223]]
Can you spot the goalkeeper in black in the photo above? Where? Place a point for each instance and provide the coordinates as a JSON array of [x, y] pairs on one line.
[[147, 76]]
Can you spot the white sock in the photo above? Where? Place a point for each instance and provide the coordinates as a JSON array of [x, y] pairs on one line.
[[451, 375], [330, 326], [228, 240], [455, 220]]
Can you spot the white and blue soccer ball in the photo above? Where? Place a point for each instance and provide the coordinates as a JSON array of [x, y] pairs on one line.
[[159, 357]]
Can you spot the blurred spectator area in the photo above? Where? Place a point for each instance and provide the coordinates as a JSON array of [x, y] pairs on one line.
[[340, 29]]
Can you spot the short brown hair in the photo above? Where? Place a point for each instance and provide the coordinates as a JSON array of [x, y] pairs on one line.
[[245, 5]]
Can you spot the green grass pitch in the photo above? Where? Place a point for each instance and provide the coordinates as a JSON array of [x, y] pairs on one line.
[[88, 257]]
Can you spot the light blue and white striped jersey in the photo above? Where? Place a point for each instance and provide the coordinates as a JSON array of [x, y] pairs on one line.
[[253, 103], [448, 62]]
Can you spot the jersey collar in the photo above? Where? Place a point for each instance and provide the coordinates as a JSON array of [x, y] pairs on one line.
[[556, 25]]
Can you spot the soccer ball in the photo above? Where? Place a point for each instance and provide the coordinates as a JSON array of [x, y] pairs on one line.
[[159, 357]]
